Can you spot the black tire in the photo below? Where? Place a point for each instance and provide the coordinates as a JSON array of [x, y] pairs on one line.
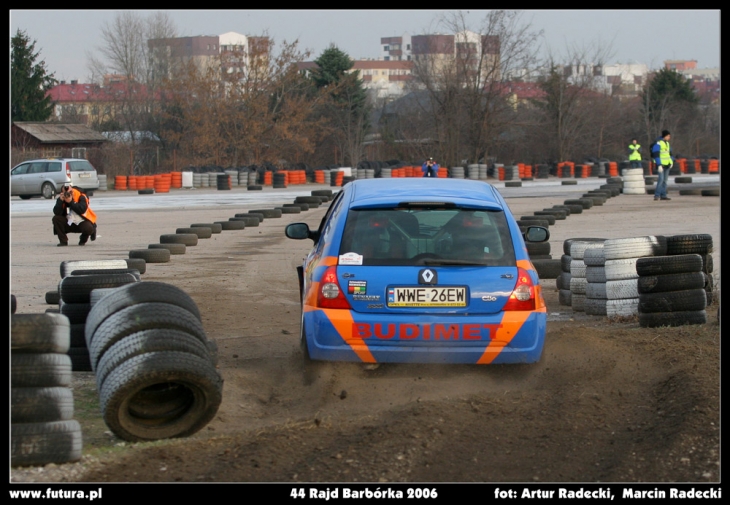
[[248, 221], [196, 388], [154, 340], [48, 190], [596, 274], [689, 244], [43, 443], [258, 215], [682, 180], [533, 222], [547, 268], [558, 214], [289, 210], [673, 301], [595, 306], [151, 255], [710, 192], [596, 291], [77, 335], [80, 360], [133, 294], [657, 319], [308, 199], [77, 288], [254, 187], [39, 370], [537, 248], [189, 239], [75, 312], [690, 192], [707, 263], [198, 230], [137, 264], [232, 225], [549, 218], [659, 265], [565, 297], [39, 333], [41, 405], [671, 282], [146, 191], [52, 297], [69, 266], [513, 184], [569, 182], [303, 206], [173, 248], [214, 227], [140, 317], [323, 192], [268, 213], [583, 202]]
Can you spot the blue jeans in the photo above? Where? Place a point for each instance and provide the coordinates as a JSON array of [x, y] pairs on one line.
[[661, 183], [636, 164]]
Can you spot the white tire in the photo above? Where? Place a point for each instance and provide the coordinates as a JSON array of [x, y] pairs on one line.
[[622, 307], [632, 247], [625, 288], [621, 269]]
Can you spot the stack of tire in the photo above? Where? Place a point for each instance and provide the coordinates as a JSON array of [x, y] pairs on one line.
[[155, 367], [596, 297], [675, 289], [564, 281], [42, 428], [621, 255], [578, 280], [634, 183], [579, 272]]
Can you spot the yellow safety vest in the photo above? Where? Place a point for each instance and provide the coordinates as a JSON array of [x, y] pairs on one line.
[[635, 154], [664, 157]]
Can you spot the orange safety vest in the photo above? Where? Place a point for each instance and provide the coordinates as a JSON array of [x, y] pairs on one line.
[[89, 215]]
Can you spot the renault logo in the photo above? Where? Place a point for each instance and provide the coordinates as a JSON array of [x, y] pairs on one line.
[[427, 276]]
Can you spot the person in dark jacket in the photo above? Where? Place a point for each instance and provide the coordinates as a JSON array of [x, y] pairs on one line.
[[661, 152], [430, 168], [72, 214]]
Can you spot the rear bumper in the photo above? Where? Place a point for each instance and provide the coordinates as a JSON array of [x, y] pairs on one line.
[[345, 335]]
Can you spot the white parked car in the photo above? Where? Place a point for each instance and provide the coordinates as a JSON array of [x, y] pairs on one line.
[[45, 177]]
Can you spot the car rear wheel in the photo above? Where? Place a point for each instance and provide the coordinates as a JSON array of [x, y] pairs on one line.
[[48, 191]]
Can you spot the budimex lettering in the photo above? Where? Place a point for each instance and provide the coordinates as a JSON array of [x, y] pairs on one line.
[[410, 331]]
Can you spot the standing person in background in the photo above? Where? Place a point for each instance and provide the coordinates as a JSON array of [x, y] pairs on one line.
[[635, 154], [430, 168], [661, 152]]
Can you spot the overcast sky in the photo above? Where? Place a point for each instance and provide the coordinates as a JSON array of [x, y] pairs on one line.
[[64, 37]]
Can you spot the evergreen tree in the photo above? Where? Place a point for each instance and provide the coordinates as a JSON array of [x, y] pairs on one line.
[[29, 81], [668, 90]]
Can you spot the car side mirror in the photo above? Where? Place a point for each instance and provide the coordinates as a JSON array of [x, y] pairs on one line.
[[536, 234], [300, 231]]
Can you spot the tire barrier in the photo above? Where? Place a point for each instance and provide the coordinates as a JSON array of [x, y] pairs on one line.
[[154, 365], [42, 428], [675, 289], [75, 299]]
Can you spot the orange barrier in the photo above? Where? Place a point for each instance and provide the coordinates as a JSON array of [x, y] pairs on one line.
[[268, 178], [319, 176], [501, 173], [162, 183], [443, 172], [713, 166], [176, 181], [339, 178], [585, 171], [613, 169], [528, 171], [132, 182], [120, 182]]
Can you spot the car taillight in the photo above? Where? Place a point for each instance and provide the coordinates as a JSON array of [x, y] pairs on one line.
[[68, 172], [329, 295], [523, 296]]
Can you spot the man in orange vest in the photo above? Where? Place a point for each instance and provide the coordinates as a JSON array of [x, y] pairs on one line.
[[72, 214]]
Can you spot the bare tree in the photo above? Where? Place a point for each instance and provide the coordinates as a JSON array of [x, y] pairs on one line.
[[462, 89]]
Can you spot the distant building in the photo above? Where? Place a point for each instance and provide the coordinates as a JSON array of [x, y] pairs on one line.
[[380, 77], [395, 48], [680, 65], [53, 138]]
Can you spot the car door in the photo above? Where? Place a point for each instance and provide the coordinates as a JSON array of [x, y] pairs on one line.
[[17, 179], [36, 177]]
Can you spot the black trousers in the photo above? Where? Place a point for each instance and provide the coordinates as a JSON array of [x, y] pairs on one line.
[[61, 228]]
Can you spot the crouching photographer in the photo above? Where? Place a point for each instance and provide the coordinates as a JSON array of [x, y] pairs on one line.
[[72, 214]]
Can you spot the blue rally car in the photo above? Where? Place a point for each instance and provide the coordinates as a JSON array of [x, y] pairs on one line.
[[420, 270]]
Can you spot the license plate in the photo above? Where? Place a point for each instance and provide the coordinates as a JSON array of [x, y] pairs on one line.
[[431, 296], [84, 175]]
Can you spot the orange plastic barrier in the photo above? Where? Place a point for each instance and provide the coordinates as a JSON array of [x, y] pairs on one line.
[[501, 173], [120, 182], [176, 180], [268, 177], [528, 171], [613, 169], [713, 166], [132, 182], [319, 176], [162, 183], [339, 178], [443, 172]]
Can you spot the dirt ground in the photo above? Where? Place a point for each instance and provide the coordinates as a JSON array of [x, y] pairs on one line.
[[608, 402]]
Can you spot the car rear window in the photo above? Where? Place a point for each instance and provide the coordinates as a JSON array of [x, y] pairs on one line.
[[80, 166], [399, 236], [54, 167]]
